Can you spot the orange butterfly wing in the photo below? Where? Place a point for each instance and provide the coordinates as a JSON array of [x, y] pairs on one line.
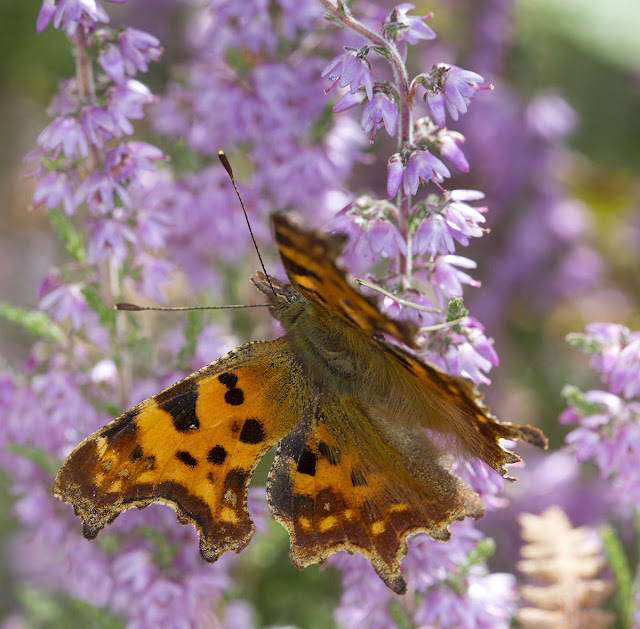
[[333, 488], [194, 446]]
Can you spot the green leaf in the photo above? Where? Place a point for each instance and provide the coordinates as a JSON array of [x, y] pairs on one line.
[[47, 611], [107, 315], [622, 573], [575, 397], [68, 234], [195, 324], [38, 456], [456, 309], [33, 321], [399, 616], [579, 341]]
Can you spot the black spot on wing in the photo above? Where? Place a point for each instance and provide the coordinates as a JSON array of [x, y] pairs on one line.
[[252, 432], [235, 397], [184, 457], [331, 454], [358, 479], [136, 454], [217, 455], [180, 402], [307, 463], [120, 426], [228, 379], [297, 269], [310, 291]]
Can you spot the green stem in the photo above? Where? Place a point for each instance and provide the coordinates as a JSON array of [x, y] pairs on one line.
[[405, 119]]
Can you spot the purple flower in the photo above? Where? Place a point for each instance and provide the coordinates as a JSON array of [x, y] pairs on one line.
[[98, 125], [449, 148], [100, 191], [484, 601], [127, 160], [406, 29], [433, 236], [452, 88], [453, 220], [348, 100], [111, 61], [350, 68], [624, 377], [126, 101], [66, 301], [69, 13], [472, 355], [137, 49], [420, 167], [447, 279], [381, 109], [110, 239], [55, 189], [66, 134], [372, 232]]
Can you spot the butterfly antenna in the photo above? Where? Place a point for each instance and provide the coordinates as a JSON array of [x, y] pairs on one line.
[[227, 166], [136, 308]]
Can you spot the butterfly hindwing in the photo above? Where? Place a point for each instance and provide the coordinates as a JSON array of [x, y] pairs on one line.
[[332, 491], [461, 413], [194, 446]]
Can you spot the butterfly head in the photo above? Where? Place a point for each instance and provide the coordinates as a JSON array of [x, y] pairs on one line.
[[282, 296]]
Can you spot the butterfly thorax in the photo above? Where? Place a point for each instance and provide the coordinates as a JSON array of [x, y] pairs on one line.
[[330, 351]]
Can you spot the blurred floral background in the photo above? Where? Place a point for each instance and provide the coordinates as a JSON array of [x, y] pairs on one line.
[[554, 148]]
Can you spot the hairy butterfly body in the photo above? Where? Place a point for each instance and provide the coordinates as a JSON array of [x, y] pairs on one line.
[[357, 467]]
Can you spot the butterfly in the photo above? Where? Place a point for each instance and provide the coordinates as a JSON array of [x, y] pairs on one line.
[[363, 430]]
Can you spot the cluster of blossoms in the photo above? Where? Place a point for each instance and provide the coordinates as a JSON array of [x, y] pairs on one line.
[[608, 420], [608, 432], [416, 236], [134, 212]]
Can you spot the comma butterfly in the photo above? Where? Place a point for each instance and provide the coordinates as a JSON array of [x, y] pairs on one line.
[[363, 428]]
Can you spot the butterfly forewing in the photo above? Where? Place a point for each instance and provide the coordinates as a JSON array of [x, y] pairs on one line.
[[193, 446], [309, 261]]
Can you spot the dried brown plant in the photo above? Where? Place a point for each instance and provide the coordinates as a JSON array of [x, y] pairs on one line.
[[565, 563]]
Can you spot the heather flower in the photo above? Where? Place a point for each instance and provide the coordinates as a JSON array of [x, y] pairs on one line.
[[69, 13], [453, 219], [125, 102], [472, 355], [485, 601], [111, 60], [109, 239], [54, 189], [378, 111], [349, 100], [372, 232], [406, 29], [433, 236], [609, 425], [350, 68], [449, 148], [419, 167], [100, 191], [450, 88], [129, 159], [447, 280], [138, 49], [98, 125], [66, 134]]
